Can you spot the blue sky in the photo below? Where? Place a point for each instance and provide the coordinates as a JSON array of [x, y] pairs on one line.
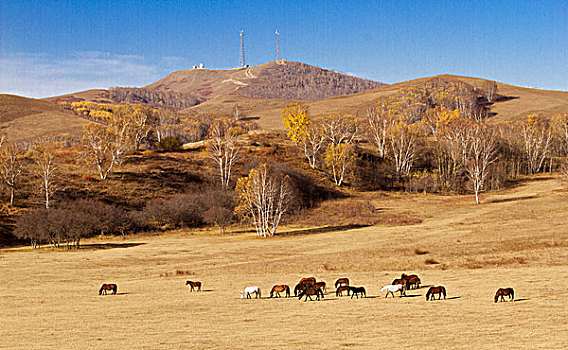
[[54, 47]]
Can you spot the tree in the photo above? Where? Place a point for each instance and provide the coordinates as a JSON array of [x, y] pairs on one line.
[[44, 158], [312, 142], [380, 118], [295, 119], [490, 90], [263, 198], [340, 128], [481, 153], [98, 144], [223, 148], [537, 136], [339, 158], [560, 130], [11, 167], [402, 141]]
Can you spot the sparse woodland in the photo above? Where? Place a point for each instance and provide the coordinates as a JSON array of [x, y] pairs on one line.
[[128, 173]]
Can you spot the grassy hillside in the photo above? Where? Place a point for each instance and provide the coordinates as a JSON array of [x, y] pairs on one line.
[[26, 118]]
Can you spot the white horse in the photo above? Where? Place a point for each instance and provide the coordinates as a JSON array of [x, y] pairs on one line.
[[249, 290], [393, 288]]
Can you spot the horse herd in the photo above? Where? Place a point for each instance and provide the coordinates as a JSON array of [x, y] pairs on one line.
[[308, 287]]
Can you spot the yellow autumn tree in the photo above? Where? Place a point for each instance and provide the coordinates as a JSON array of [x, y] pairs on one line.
[[296, 120]]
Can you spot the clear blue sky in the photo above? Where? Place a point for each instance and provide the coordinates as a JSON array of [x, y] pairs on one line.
[[53, 47]]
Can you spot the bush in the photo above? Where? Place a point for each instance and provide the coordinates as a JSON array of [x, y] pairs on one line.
[[170, 144]]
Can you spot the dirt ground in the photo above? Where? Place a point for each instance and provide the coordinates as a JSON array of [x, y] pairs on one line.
[[517, 238]]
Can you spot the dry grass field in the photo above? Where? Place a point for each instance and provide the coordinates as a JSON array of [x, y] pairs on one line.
[[518, 238]]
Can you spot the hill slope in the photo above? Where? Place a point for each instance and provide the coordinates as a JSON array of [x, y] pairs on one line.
[[27, 118], [518, 102]]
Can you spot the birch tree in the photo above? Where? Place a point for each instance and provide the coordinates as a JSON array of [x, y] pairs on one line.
[[481, 153], [402, 143], [44, 158], [379, 118], [11, 167], [339, 158], [537, 136], [223, 149], [263, 198]]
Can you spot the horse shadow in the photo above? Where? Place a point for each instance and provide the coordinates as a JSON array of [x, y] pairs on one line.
[[453, 298], [122, 293], [411, 295], [521, 299]]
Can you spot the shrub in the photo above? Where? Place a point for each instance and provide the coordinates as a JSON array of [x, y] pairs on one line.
[[170, 144]]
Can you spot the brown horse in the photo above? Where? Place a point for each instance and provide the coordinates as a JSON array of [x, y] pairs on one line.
[[309, 291], [341, 289], [402, 281], [440, 290], [308, 280], [320, 285], [342, 282], [356, 291], [280, 288], [194, 285], [503, 292], [411, 280], [108, 287], [300, 287]]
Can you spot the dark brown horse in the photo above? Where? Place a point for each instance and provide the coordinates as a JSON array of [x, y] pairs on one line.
[[342, 282], [356, 291], [411, 280], [503, 292], [108, 287], [309, 291], [440, 290], [300, 287], [308, 280], [280, 288], [341, 289], [320, 285], [194, 285]]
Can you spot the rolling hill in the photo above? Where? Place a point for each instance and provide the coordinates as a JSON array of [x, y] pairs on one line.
[[517, 102], [27, 118]]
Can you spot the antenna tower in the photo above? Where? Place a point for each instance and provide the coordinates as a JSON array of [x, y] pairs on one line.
[[277, 45], [242, 55]]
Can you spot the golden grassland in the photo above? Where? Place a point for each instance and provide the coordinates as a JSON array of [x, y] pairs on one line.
[[517, 238]]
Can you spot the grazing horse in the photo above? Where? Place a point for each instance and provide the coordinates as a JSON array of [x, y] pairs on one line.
[[300, 287], [394, 288], [356, 291], [502, 292], [280, 288], [308, 280], [193, 285], [106, 287], [411, 280], [440, 290], [320, 285], [341, 289], [249, 290], [342, 282], [309, 291]]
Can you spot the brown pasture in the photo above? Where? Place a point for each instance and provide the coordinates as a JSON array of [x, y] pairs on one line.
[[517, 238]]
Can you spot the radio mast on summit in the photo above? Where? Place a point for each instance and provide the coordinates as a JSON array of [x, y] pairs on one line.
[[242, 55], [277, 45]]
